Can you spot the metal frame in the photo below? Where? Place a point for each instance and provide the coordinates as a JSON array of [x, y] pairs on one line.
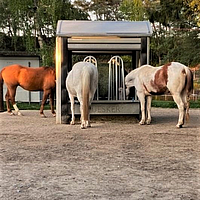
[[116, 84], [93, 60], [92, 38]]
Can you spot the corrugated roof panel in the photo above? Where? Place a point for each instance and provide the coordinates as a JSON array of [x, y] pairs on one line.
[[70, 28]]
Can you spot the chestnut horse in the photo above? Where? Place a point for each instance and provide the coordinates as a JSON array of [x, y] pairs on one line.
[[81, 82], [173, 77], [31, 79]]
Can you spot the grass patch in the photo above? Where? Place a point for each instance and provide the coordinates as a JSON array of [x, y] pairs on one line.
[[172, 104], [155, 103], [31, 106]]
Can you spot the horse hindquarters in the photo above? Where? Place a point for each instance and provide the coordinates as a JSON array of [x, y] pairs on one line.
[[180, 93]]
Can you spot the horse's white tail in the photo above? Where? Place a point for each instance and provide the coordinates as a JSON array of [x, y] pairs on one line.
[[85, 93], [188, 88]]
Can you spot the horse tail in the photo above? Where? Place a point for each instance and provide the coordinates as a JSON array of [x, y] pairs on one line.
[[188, 89], [85, 93], [1, 92]]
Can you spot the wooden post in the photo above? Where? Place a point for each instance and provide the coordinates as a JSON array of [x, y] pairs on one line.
[[63, 64], [143, 58], [1, 98]]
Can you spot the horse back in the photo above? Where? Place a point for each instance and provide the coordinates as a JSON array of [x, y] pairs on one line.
[[32, 79], [10, 74]]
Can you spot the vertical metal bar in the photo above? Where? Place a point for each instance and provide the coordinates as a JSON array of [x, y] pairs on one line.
[[109, 80], [29, 93], [119, 78], [116, 79], [148, 44], [58, 80], [113, 81], [123, 81]]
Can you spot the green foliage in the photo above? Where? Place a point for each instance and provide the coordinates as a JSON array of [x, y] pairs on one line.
[[174, 36], [102, 10], [30, 25], [172, 104], [133, 10]]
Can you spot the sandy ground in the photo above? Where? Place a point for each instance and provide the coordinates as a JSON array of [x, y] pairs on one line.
[[116, 159]]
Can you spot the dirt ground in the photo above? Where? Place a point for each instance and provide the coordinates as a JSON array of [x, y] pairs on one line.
[[116, 159]]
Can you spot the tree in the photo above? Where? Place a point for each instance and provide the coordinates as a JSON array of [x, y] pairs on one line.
[[33, 22], [102, 10], [133, 10], [173, 27], [195, 8]]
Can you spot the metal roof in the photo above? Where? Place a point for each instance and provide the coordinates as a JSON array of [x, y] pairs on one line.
[[79, 28]]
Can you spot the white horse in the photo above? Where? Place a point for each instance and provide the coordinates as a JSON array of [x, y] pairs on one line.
[[173, 77], [81, 82]]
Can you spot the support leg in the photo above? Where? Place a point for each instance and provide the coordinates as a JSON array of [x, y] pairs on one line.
[[44, 98], [177, 98], [83, 122], [12, 92], [186, 100], [52, 103], [71, 97], [141, 97], [7, 97], [149, 98]]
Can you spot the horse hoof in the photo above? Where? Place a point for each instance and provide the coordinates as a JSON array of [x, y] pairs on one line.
[[42, 116], [83, 126], [179, 126], [54, 114], [148, 122], [20, 114], [72, 123], [11, 113], [141, 123]]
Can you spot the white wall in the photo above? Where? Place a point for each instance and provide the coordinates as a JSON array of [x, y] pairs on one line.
[[21, 95]]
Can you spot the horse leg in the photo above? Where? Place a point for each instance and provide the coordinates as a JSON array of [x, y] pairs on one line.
[[88, 122], [83, 121], [7, 97], [72, 109], [185, 99], [148, 121], [141, 97], [12, 92], [51, 97], [44, 98], [177, 98]]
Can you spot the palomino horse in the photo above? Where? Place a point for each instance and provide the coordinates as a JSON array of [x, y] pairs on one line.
[[81, 82], [32, 79], [173, 77]]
